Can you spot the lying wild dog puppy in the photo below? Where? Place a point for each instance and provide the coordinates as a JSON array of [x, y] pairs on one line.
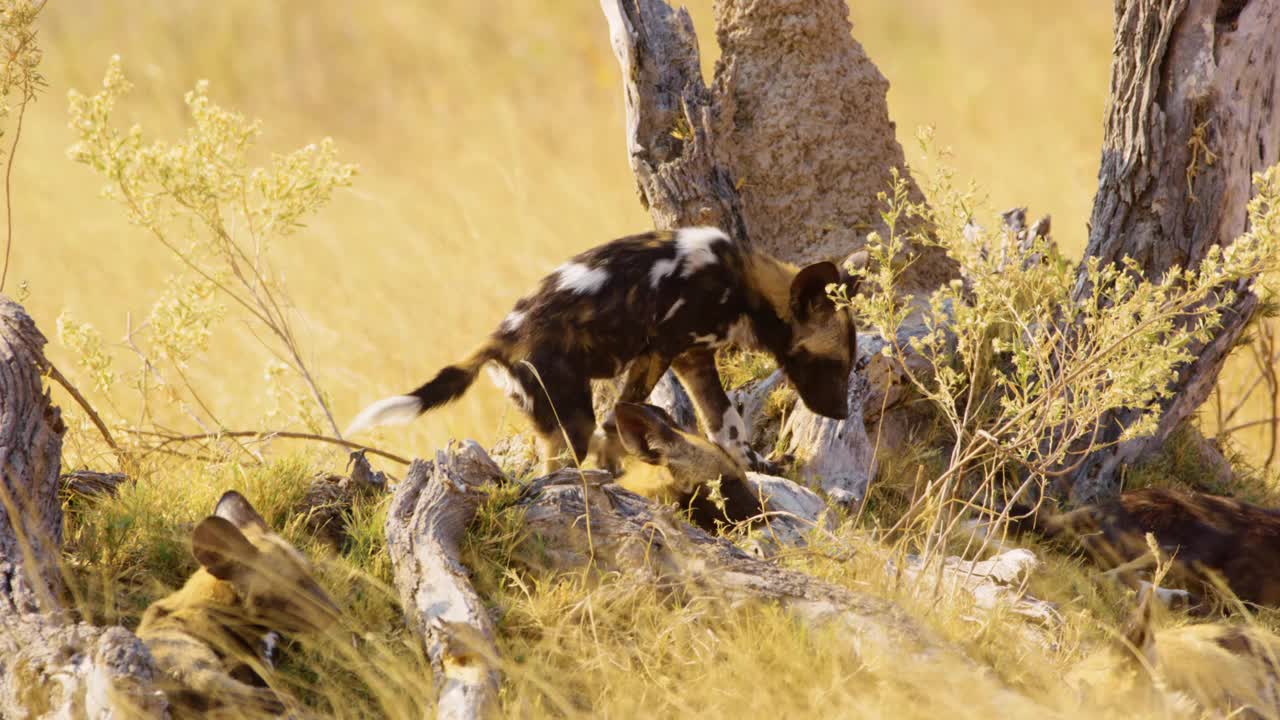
[[683, 468], [216, 636], [1206, 670], [642, 304], [1206, 536]]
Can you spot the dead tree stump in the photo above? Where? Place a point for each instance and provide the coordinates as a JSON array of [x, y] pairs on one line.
[[1192, 116], [50, 667]]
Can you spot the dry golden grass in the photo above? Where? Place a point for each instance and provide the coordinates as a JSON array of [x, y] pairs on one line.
[[490, 143], [489, 137]]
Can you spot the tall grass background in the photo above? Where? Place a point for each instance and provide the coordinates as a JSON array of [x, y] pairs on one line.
[[489, 139]]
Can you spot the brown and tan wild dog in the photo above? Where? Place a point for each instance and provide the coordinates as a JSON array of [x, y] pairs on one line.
[[1207, 536], [639, 305], [700, 476], [685, 468], [215, 638]]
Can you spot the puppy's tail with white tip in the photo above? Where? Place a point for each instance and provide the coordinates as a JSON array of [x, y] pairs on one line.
[[448, 385]]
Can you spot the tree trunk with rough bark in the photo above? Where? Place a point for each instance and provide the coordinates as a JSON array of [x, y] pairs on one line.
[[50, 667], [30, 457], [1192, 117], [788, 150], [789, 147]]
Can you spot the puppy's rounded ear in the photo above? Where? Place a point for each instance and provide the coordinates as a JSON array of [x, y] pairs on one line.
[[234, 507], [857, 261], [221, 548], [809, 290], [645, 431]]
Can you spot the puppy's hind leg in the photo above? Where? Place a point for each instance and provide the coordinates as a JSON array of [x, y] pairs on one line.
[[560, 408]]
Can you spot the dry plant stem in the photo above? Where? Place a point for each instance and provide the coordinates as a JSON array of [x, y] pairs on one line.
[[265, 435], [426, 521], [57, 376], [8, 185], [264, 306]]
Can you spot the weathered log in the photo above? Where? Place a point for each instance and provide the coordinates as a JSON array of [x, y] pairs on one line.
[[670, 139], [998, 582], [612, 529], [31, 431], [331, 498], [49, 665], [1192, 116], [792, 513], [52, 669], [668, 394], [752, 402], [91, 484], [429, 513]]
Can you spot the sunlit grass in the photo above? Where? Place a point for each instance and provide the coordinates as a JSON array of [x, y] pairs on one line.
[[489, 137]]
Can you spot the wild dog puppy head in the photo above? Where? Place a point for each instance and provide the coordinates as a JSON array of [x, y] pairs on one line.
[[271, 578], [691, 465], [823, 344]]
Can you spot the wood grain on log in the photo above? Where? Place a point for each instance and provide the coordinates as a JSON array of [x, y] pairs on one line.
[[429, 513], [834, 455], [50, 667], [1192, 116], [31, 431], [583, 520]]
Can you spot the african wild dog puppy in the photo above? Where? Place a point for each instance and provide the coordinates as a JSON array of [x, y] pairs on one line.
[[1206, 536], [1205, 670], [687, 465], [639, 305], [216, 636], [700, 476]]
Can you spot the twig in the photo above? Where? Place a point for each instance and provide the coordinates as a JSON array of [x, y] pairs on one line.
[[57, 376], [8, 197], [267, 435]]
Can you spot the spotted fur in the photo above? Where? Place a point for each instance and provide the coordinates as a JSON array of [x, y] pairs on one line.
[[684, 468], [1207, 537], [215, 638], [636, 307]]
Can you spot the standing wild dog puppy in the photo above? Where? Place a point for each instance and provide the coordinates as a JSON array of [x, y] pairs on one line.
[[639, 305], [1206, 536], [216, 636]]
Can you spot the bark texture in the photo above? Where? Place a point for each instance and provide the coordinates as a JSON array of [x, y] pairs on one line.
[[30, 457], [1192, 116], [50, 667], [579, 520], [835, 455], [803, 121], [428, 516], [790, 146], [670, 138]]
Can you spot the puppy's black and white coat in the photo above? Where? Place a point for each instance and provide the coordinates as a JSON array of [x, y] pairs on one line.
[[640, 305]]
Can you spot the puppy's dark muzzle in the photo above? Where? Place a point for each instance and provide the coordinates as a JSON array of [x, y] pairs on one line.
[[832, 405]]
